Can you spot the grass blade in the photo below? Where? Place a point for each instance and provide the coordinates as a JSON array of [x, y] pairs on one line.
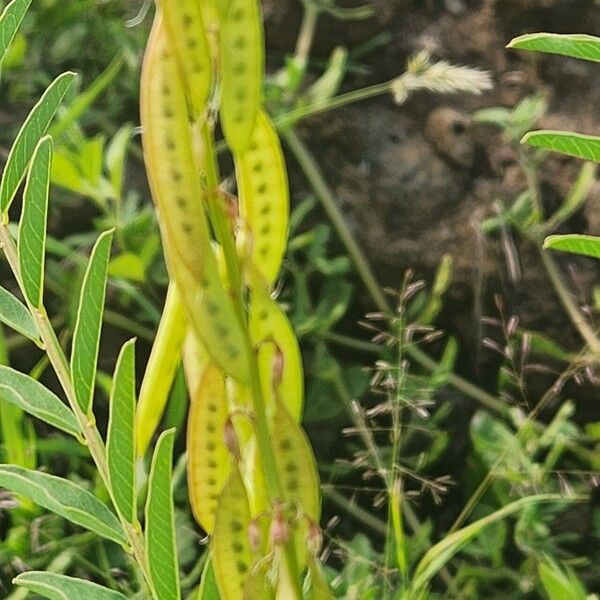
[[437, 556], [586, 47], [16, 315], [31, 396], [10, 21], [160, 521], [575, 243], [565, 142], [61, 587], [32, 227], [120, 440], [64, 498], [82, 103], [86, 337], [28, 137]]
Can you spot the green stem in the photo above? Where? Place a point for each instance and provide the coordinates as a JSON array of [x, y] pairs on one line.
[[291, 118], [577, 317], [325, 195], [88, 427], [313, 174], [360, 514], [222, 228]]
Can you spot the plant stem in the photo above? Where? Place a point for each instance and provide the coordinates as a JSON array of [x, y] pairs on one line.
[[327, 199], [360, 514], [224, 236], [88, 427], [289, 119], [577, 317], [325, 195]]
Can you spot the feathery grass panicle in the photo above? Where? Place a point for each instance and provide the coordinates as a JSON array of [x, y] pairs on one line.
[[441, 77]]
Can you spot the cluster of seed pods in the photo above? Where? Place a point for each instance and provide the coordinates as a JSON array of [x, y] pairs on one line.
[[203, 53]]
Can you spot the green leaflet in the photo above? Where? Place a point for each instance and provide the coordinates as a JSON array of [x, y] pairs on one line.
[[31, 396], [15, 314], [32, 227], [27, 139], [61, 587], [10, 21], [120, 449], [86, 337], [586, 47], [64, 498], [160, 523], [575, 243], [565, 142]]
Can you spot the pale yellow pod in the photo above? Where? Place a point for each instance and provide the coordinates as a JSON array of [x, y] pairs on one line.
[[209, 463], [161, 368], [194, 360], [298, 474], [187, 36], [211, 315], [178, 194], [168, 154], [231, 552], [264, 198], [273, 337], [241, 60]]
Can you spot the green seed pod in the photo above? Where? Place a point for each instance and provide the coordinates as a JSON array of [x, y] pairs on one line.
[[187, 37], [168, 154], [241, 59], [264, 198], [160, 371], [279, 358], [208, 458], [178, 194], [232, 556], [298, 475]]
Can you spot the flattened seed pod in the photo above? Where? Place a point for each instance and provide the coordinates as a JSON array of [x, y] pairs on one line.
[[241, 67], [211, 314], [208, 457], [232, 556], [296, 464], [168, 154], [187, 37], [264, 197], [177, 192], [272, 334], [298, 475]]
